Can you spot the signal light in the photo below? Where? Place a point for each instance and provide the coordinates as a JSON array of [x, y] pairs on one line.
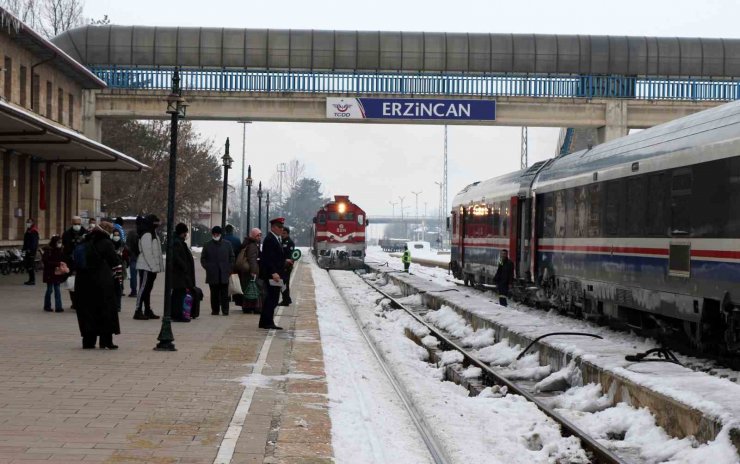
[[342, 208]]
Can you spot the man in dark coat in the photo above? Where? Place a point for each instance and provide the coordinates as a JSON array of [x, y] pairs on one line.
[[30, 247], [217, 259], [183, 271], [272, 263], [504, 277], [97, 315], [132, 245], [288, 247], [70, 239]]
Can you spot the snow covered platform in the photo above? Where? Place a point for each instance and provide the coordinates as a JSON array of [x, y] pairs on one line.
[[684, 402]]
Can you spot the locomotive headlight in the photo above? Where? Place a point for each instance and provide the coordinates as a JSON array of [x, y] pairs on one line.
[[342, 208]]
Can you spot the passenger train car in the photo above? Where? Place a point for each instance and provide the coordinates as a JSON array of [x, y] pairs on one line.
[[642, 231], [339, 234]]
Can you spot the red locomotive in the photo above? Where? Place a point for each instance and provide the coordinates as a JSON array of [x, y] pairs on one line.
[[339, 234]]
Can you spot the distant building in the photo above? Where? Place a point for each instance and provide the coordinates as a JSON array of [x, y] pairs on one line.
[[48, 167]]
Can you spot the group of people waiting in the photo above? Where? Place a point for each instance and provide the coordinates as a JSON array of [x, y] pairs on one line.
[[268, 267], [93, 262]]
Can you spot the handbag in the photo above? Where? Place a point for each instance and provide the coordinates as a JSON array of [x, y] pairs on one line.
[[252, 297], [70, 283], [242, 265], [235, 286]]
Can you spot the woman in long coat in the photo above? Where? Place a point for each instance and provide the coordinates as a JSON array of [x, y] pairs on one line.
[[97, 313], [183, 272]]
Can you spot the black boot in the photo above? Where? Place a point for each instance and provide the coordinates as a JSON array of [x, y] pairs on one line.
[[150, 314], [139, 316]]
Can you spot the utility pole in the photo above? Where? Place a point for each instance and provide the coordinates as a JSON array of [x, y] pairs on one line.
[[402, 219], [242, 227], [393, 204], [444, 189], [525, 140], [440, 216], [416, 194], [281, 169]]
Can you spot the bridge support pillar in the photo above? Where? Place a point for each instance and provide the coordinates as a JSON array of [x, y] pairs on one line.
[[616, 121], [89, 195]]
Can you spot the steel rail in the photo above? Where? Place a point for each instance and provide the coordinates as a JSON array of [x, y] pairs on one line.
[[435, 450], [600, 453]]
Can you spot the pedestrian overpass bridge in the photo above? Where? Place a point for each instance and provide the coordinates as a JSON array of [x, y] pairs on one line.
[[605, 82]]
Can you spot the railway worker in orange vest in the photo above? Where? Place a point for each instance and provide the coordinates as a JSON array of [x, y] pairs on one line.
[[504, 277]]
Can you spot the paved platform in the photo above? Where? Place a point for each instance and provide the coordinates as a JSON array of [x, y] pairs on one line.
[[62, 404]]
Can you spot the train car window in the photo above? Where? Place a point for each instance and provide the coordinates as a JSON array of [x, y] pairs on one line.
[[349, 216], [560, 213], [322, 218], [733, 222], [710, 199], [656, 209], [361, 219], [681, 187], [636, 206], [594, 210], [454, 223], [547, 213], [570, 213], [581, 212], [613, 204], [504, 208]]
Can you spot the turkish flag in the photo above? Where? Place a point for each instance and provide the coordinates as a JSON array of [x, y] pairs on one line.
[[42, 190]]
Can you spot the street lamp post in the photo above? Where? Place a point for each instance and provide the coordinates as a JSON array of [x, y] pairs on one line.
[[241, 193], [227, 165], [267, 209], [403, 221], [416, 194], [176, 108], [249, 200], [259, 206]]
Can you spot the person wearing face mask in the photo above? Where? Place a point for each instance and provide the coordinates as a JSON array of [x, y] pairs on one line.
[[217, 258], [91, 223], [118, 283], [30, 247], [95, 284], [54, 275], [149, 264], [183, 272], [70, 239]]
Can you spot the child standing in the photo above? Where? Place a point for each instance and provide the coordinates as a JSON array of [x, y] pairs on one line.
[[53, 273]]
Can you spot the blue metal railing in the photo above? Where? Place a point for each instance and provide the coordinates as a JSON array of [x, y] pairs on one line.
[[485, 85], [567, 141]]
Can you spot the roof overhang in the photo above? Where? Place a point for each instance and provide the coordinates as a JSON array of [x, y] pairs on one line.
[[27, 133]]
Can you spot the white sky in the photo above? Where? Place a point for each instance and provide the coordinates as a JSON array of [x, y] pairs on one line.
[[375, 163]]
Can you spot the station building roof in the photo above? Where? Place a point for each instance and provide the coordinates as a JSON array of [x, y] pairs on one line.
[[25, 132], [34, 42], [397, 51]]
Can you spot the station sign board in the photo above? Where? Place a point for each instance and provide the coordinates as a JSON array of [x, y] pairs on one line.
[[410, 109]]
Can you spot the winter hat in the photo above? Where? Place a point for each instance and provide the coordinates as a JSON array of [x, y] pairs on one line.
[[180, 229], [106, 226], [216, 230]]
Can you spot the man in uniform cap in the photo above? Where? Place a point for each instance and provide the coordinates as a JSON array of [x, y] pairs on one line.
[[288, 247], [272, 263]]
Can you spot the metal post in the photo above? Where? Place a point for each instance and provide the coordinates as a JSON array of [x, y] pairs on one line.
[[444, 188], [525, 148], [403, 222], [259, 206], [267, 209], [227, 165], [249, 199], [281, 169], [174, 107], [241, 194], [416, 194]]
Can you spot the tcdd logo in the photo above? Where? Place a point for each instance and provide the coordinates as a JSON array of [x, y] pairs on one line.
[[342, 110]]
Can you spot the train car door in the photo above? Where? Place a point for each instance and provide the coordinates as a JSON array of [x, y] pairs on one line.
[[463, 214], [514, 245]]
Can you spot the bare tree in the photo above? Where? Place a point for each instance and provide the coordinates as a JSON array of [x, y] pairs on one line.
[[58, 16], [50, 17]]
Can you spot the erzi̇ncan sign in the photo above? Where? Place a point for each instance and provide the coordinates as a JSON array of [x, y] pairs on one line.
[[410, 108]]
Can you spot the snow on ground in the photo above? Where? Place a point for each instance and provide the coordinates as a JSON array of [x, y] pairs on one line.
[[488, 428], [712, 395], [631, 432], [369, 424]]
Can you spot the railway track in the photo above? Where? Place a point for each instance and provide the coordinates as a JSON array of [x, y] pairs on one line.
[[597, 452]]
